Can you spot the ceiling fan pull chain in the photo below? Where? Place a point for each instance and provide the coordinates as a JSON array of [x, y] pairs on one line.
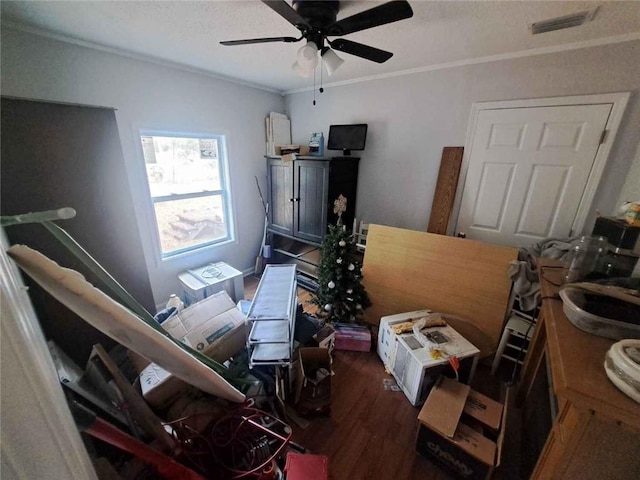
[[314, 87]]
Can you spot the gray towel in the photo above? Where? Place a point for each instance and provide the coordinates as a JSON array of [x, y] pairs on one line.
[[522, 272], [556, 248]]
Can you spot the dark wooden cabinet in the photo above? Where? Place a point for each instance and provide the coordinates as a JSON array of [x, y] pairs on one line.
[[298, 193], [302, 193], [311, 189], [301, 200], [280, 184]]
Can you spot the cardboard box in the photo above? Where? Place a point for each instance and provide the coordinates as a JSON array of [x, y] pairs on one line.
[[159, 387], [302, 150], [445, 437], [203, 326], [313, 381], [485, 409], [353, 337], [286, 149], [214, 326], [326, 337]]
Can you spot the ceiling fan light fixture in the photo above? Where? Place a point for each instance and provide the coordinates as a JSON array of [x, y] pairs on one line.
[[308, 54], [317, 21], [331, 61], [302, 70]]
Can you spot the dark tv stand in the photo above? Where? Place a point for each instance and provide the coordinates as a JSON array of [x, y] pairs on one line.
[[346, 152]]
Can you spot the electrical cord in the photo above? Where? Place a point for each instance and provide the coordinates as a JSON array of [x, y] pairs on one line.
[[247, 440], [193, 446], [551, 297], [243, 442]]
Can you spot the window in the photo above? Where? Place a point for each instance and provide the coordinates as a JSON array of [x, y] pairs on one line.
[[189, 191]]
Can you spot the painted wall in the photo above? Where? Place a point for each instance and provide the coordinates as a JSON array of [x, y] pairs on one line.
[[412, 117], [631, 190], [148, 95]]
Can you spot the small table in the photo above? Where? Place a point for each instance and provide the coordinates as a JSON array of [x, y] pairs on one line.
[[596, 433]]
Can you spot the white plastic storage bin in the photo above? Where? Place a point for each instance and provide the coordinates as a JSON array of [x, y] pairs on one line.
[[202, 282]]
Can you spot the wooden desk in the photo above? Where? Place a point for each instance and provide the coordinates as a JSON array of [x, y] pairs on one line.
[[596, 434]]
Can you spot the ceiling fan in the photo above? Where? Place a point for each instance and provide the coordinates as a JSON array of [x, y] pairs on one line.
[[316, 21]]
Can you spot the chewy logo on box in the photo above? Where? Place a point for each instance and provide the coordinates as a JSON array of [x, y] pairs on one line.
[[445, 438]]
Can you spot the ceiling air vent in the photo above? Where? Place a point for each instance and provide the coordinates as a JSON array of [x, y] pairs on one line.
[[567, 21]]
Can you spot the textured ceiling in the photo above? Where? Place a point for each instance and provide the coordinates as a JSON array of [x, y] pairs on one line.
[[442, 32]]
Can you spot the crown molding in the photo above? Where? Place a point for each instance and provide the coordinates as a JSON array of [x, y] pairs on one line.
[[487, 59], [126, 53]]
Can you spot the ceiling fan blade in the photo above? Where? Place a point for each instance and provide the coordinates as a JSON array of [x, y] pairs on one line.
[[386, 13], [360, 50], [230, 43], [287, 12]]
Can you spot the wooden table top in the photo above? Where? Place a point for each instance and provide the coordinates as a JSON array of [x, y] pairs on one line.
[[577, 358]]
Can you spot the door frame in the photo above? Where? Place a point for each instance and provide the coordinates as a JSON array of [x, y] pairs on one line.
[[38, 418], [618, 101]]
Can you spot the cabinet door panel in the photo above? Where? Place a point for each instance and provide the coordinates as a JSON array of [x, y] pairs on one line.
[[311, 182], [280, 177]]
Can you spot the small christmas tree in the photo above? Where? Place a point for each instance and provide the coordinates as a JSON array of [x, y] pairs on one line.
[[341, 296]]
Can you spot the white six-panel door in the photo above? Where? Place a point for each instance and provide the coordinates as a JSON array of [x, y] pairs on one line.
[[528, 168]]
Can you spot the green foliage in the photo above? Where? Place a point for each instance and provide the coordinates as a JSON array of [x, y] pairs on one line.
[[341, 296]]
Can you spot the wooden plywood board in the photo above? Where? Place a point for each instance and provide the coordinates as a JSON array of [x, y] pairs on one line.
[[445, 192], [407, 270], [102, 312]]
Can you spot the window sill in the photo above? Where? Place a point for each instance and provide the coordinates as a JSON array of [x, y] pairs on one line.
[[196, 251]]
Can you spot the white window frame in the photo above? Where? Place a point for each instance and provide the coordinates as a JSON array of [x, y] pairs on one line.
[[225, 192]]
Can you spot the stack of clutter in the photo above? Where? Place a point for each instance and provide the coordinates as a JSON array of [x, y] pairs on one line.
[[278, 131], [213, 326]]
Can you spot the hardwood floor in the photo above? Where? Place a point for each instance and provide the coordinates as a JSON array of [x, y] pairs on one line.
[[371, 431], [370, 434]]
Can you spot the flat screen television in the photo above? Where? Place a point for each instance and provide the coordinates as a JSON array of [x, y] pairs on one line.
[[347, 137]]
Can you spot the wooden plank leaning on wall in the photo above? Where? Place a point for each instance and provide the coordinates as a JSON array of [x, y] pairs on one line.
[[445, 192], [406, 270]]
